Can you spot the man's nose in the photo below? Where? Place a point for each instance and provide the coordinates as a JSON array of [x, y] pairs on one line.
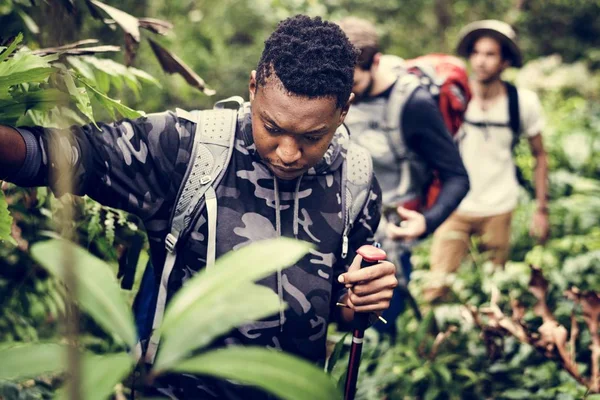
[[288, 150]]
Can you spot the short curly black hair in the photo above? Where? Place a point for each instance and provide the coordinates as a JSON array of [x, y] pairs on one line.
[[311, 57]]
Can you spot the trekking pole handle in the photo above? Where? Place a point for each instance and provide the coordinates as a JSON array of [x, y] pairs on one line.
[[371, 255]]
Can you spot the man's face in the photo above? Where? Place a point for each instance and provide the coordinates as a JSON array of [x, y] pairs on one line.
[[486, 60], [291, 133], [363, 82]]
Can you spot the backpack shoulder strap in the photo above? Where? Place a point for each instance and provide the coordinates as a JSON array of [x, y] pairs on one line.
[[404, 87], [357, 173], [514, 119], [214, 134]]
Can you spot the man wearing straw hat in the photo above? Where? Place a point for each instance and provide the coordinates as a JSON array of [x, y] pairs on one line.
[[497, 117]]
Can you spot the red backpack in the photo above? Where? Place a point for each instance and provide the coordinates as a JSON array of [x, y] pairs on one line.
[[446, 78]]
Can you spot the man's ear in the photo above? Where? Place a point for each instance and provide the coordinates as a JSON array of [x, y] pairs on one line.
[[345, 109], [376, 60], [252, 85]]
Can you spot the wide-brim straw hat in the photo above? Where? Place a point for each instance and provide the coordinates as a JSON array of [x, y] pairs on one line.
[[494, 28]]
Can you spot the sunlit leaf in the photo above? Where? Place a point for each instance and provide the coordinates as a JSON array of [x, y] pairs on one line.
[[217, 300], [32, 359], [98, 293], [282, 374], [214, 315], [112, 105], [127, 22], [100, 375]]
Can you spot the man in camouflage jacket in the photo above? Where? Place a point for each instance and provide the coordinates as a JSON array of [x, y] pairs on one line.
[[284, 179]]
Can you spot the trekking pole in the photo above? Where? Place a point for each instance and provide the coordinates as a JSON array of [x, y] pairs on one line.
[[371, 255]]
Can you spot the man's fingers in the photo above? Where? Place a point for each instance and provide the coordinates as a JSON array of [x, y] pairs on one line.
[[383, 283], [406, 213], [398, 232], [383, 296], [367, 273]]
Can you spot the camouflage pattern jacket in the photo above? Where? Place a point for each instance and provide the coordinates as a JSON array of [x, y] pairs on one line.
[[139, 165]]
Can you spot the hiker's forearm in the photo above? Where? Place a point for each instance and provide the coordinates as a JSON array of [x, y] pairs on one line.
[[12, 152], [541, 181], [541, 171]]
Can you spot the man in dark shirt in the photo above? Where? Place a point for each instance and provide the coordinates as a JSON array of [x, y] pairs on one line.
[[284, 179], [405, 147]]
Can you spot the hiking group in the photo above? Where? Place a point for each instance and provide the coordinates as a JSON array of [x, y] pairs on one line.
[[339, 146]]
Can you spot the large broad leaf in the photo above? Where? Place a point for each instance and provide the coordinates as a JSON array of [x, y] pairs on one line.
[[284, 375], [5, 220], [32, 359], [100, 375], [206, 306], [212, 316], [98, 293]]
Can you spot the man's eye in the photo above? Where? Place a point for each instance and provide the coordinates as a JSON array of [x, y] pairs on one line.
[[313, 138], [271, 129]]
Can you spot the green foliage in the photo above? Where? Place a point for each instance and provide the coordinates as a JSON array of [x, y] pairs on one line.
[[100, 374], [202, 310], [31, 360], [209, 293], [279, 373], [97, 290]]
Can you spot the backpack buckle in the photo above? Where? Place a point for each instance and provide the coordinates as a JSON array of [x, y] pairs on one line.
[[170, 243]]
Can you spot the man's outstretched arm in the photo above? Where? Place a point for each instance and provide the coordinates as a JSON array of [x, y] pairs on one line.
[[132, 165], [12, 152]]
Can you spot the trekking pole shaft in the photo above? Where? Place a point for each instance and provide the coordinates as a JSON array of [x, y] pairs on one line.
[[371, 256], [354, 364]]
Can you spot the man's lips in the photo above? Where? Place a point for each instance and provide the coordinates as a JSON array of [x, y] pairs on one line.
[[286, 170]]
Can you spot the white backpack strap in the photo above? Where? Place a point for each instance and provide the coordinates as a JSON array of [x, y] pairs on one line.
[[211, 153], [234, 102], [403, 89], [357, 174]]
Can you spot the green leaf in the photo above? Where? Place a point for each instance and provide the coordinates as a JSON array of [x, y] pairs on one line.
[[145, 77], [31, 75], [214, 315], [5, 220], [6, 53], [98, 293], [424, 326], [112, 105], [100, 374], [282, 374], [516, 393], [215, 300], [82, 100], [30, 360], [444, 373], [337, 352], [29, 22]]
